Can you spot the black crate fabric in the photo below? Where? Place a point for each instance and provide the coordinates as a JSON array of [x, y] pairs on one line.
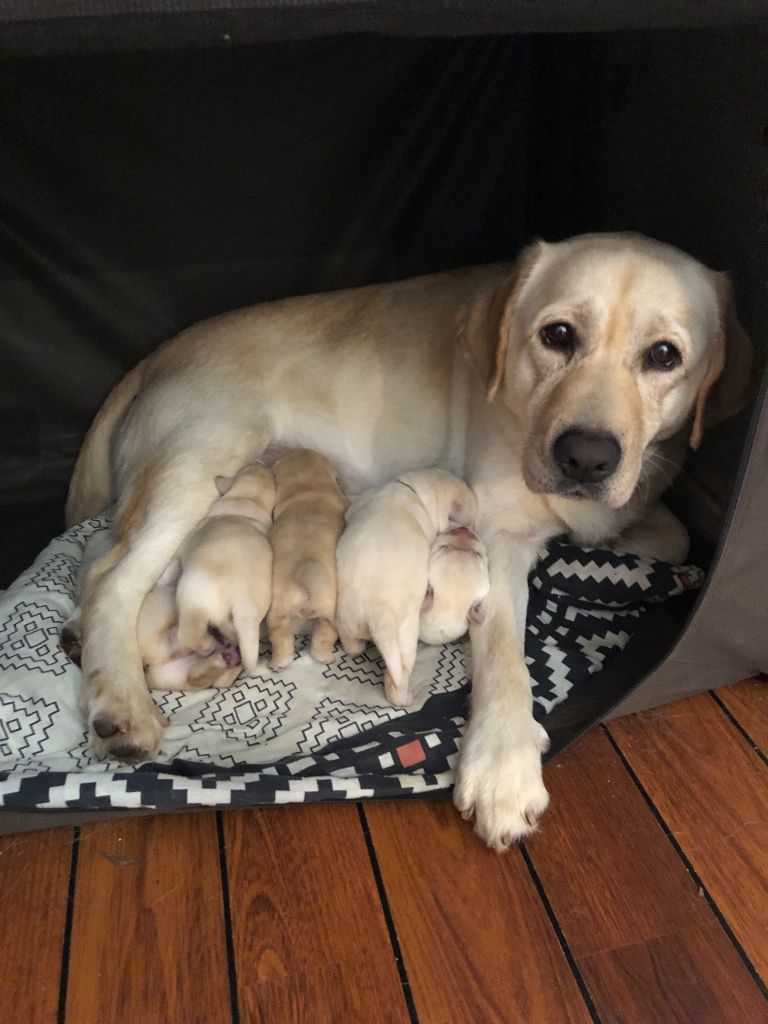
[[311, 733]]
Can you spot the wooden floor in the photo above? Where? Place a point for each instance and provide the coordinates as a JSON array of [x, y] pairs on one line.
[[643, 898]]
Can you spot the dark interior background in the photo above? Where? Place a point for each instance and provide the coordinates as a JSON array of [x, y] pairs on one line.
[[141, 191]]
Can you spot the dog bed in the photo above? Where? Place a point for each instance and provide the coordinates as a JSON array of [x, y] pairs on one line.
[[313, 732]]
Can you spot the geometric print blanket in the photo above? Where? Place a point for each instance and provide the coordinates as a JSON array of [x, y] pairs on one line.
[[313, 732]]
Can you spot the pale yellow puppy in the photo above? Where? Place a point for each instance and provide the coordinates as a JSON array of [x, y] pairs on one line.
[[308, 520], [226, 567], [458, 585], [167, 666], [382, 561]]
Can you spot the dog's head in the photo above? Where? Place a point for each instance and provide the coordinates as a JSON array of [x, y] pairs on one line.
[[458, 586], [601, 346]]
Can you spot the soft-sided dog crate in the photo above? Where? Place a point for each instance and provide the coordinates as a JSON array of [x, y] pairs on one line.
[[162, 162]]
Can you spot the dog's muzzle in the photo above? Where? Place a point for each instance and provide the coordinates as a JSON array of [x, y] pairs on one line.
[[585, 460]]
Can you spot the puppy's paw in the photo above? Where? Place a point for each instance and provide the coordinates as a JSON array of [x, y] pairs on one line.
[[499, 782], [398, 696], [353, 647], [128, 727], [277, 666]]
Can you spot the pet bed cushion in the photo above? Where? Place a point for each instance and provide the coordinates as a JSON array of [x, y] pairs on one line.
[[311, 733]]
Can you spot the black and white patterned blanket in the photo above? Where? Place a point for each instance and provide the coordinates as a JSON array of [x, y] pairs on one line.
[[312, 733]]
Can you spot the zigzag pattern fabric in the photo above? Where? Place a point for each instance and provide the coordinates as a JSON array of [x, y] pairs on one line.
[[314, 732]]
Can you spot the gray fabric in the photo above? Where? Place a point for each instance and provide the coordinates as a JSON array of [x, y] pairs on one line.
[[726, 638]]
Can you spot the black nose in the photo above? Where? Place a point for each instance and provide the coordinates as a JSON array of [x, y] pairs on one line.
[[585, 456]]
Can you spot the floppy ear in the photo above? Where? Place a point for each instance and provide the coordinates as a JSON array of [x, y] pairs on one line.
[[729, 381], [477, 613], [485, 330]]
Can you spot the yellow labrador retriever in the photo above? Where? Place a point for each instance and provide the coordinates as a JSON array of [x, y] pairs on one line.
[[561, 388]]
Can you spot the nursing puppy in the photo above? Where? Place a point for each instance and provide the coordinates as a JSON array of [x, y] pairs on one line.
[[226, 567], [458, 585], [382, 561], [308, 520], [167, 665]]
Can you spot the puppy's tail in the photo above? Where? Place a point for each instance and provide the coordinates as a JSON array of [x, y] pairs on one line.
[[385, 633], [317, 589], [247, 618], [90, 489]]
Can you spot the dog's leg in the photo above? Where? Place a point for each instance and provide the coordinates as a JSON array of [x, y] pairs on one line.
[[659, 534], [282, 641], [499, 774], [324, 638], [157, 511]]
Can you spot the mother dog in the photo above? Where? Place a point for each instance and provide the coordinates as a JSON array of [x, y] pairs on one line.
[[560, 388]]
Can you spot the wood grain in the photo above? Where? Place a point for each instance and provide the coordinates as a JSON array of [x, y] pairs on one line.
[[148, 941], [34, 877], [310, 937], [712, 790], [748, 703], [476, 940], [661, 982], [625, 899]]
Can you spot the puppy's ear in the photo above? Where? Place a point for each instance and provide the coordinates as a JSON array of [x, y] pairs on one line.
[[463, 512], [730, 379], [486, 325], [223, 484], [429, 599], [477, 613]]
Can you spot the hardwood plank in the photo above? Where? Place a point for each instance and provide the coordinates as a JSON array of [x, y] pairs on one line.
[[712, 790], [148, 941], [475, 937], [309, 933], [625, 899], [660, 981], [748, 703], [613, 877], [34, 878]]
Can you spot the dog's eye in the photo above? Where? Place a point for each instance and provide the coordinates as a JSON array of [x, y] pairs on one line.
[[559, 336], [662, 355]]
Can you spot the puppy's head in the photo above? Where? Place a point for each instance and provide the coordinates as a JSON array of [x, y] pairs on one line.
[[601, 345], [458, 586], [252, 482], [303, 467]]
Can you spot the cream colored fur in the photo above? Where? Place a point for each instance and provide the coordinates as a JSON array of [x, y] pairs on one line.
[[382, 566], [458, 584], [308, 520], [443, 370], [226, 568]]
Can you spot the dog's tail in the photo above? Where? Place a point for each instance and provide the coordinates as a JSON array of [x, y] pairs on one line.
[[90, 489], [316, 589]]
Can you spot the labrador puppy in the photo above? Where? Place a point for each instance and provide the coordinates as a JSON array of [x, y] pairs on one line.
[[382, 561], [457, 586], [167, 665], [308, 520], [225, 581], [564, 388]]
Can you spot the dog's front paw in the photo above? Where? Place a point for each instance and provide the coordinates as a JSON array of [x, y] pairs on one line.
[[499, 782], [127, 727]]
